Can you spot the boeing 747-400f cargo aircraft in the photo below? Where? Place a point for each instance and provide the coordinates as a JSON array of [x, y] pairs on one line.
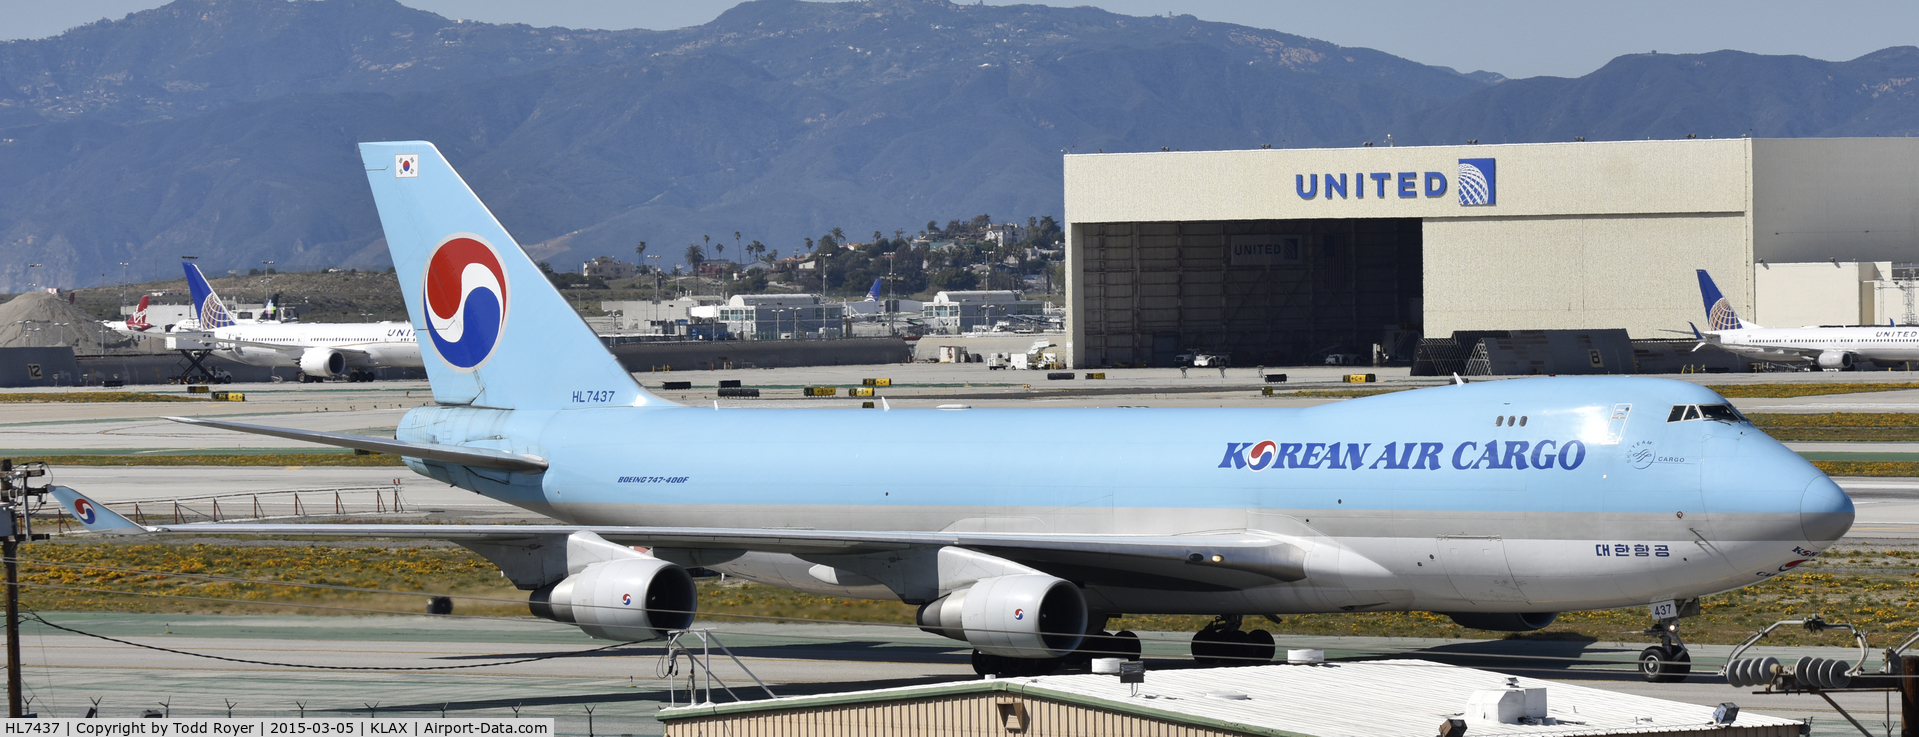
[[319, 350], [1824, 347], [1498, 503]]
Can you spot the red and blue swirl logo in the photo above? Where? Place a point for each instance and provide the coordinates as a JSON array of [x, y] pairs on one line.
[[466, 299], [626, 600], [1262, 455], [84, 510]]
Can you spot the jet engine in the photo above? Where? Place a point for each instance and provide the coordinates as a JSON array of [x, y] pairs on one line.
[[1835, 360], [1503, 621], [322, 362], [623, 599], [1020, 616]]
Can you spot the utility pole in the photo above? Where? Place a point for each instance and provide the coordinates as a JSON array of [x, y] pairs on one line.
[[14, 495]]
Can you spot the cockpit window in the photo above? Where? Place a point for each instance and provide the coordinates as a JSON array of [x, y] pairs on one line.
[[1716, 412]]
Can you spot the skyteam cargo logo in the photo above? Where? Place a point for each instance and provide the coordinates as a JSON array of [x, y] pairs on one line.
[[466, 300], [84, 510], [1478, 182]]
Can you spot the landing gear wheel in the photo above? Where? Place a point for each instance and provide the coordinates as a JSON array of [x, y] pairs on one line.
[[1660, 664], [1259, 647], [999, 665], [1220, 643]]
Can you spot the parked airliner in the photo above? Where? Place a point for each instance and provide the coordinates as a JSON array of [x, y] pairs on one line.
[[1824, 347], [319, 350], [1497, 503]]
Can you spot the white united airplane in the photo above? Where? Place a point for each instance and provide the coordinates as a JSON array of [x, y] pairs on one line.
[[1824, 347], [319, 350]]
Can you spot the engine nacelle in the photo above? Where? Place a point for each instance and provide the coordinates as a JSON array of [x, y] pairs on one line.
[[625, 599], [1834, 360], [325, 363], [1503, 621], [1022, 616]]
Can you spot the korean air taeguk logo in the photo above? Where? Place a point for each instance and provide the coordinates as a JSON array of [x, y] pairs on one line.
[[1478, 182], [466, 299]]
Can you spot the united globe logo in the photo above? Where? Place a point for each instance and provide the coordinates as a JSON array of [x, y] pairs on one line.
[[466, 300], [1721, 316], [1478, 182]]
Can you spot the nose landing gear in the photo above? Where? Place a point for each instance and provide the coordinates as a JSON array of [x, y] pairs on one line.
[[1668, 661]]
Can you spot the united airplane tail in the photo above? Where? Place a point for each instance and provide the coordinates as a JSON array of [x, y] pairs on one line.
[[1719, 314], [207, 307], [493, 332], [873, 295]]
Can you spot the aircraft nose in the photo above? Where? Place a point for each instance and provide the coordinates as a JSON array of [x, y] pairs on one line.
[[1825, 512]]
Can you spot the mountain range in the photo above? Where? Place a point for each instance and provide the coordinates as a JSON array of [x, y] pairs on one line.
[[225, 129]]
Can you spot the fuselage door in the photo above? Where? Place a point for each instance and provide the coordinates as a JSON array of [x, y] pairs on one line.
[[1477, 568], [1616, 426]]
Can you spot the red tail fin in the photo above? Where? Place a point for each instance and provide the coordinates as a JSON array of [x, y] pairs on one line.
[[138, 322]]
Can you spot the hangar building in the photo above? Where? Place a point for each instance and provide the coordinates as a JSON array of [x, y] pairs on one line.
[[1283, 256]]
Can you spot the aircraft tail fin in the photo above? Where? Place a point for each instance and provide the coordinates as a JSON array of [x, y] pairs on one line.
[[873, 295], [207, 307], [91, 514], [1719, 314], [138, 321], [493, 331]]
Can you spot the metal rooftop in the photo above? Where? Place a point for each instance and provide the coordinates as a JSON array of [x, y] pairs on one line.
[[1329, 700]]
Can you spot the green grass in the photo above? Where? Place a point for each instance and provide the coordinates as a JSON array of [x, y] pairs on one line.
[[1777, 391], [92, 397], [1337, 393], [1872, 588]]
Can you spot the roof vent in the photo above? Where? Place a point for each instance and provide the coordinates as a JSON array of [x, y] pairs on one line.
[[1227, 695]]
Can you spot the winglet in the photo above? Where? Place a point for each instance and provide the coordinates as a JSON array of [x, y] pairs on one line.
[[92, 515], [1695, 330]]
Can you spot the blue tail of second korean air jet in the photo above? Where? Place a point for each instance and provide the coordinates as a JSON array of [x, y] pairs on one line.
[[207, 307], [1719, 314]]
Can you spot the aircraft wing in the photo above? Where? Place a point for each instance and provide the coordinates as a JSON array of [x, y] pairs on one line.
[[1231, 560], [465, 456]]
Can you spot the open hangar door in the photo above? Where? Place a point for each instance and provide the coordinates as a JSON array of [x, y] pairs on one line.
[[1266, 292]]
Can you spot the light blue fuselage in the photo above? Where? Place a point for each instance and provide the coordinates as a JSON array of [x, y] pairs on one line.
[[1595, 501]]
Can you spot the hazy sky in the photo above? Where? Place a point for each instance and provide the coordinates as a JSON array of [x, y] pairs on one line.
[[1517, 38]]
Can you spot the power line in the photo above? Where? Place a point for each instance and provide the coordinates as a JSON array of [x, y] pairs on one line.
[[36, 617]]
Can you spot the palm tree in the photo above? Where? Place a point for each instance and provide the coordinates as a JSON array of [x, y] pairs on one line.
[[639, 254]]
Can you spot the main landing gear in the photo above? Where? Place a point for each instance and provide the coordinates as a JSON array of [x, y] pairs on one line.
[[1222, 643], [1668, 661]]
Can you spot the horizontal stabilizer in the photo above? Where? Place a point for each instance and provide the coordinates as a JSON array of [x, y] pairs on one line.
[[477, 457], [93, 516]]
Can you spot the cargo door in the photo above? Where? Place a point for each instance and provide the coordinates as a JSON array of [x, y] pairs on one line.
[[1477, 568]]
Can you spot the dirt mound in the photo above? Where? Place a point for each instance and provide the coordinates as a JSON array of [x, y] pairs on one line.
[[39, 319]]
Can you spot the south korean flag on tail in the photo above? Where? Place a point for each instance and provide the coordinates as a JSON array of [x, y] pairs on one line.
[[406, 165]]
